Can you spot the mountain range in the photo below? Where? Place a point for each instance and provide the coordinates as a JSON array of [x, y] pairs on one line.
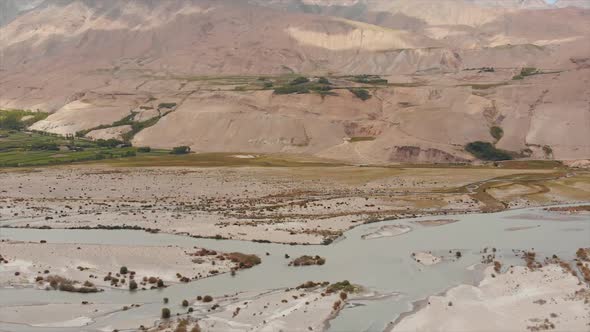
[[454, 69]]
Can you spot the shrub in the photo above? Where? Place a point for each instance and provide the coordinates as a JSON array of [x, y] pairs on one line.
[[343, 286], [165, 313], [369, 79], [306, 260], [181, 150], [11, 121], [160, 283], [144, 149], [166, 300], [497, 132], [290, 89], [123, 270], [44, 146], [185, 303], [323, 80], [167, 105], [207, 298], [547, 150], [109, 143], [299, 80], [524, 72], [486, 151], [362, 94], [244, 260], [132, 285]]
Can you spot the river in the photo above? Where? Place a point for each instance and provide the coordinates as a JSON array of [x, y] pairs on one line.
[[384, 264]]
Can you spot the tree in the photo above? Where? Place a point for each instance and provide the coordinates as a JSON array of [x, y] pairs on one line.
[[165, 313], [132, 285], [181, 150]]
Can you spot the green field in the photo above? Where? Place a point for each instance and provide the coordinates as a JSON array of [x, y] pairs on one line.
[[23, 149]]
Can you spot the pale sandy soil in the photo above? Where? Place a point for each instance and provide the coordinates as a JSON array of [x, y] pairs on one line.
[[436, 222], [426, 258], [273, 310], [56, 315], [517, 300], [33, 259], [387, 231]]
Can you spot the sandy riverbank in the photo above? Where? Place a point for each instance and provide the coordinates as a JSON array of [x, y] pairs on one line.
[[516, 300], [293, 309], [100, 264]]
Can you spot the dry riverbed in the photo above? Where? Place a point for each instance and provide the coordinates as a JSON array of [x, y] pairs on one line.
[[306, 205]]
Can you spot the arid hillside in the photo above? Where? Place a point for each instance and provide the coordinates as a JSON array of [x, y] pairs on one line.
[[221, 76]]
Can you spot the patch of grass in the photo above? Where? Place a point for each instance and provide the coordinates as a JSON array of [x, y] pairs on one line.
[[487, 151], [361, 139], [165, 159], [531, 164], [484, 86], [369, 79]]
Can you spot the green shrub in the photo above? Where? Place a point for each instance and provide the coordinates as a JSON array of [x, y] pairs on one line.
[[291, 89], [342, 286], [486, 151], [185, 303], [360, 93], [207, 298], [181, 150], [299, 80], [11, 121], [165, 313], [132, 285], [144, 149], [524, 72], [123, 270], [109, 143], [44, 146], [497, 132], [167, 105], [323, 80], [369, 79]]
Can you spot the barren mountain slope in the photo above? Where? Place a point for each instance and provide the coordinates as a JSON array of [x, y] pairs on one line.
[[94, 62]]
